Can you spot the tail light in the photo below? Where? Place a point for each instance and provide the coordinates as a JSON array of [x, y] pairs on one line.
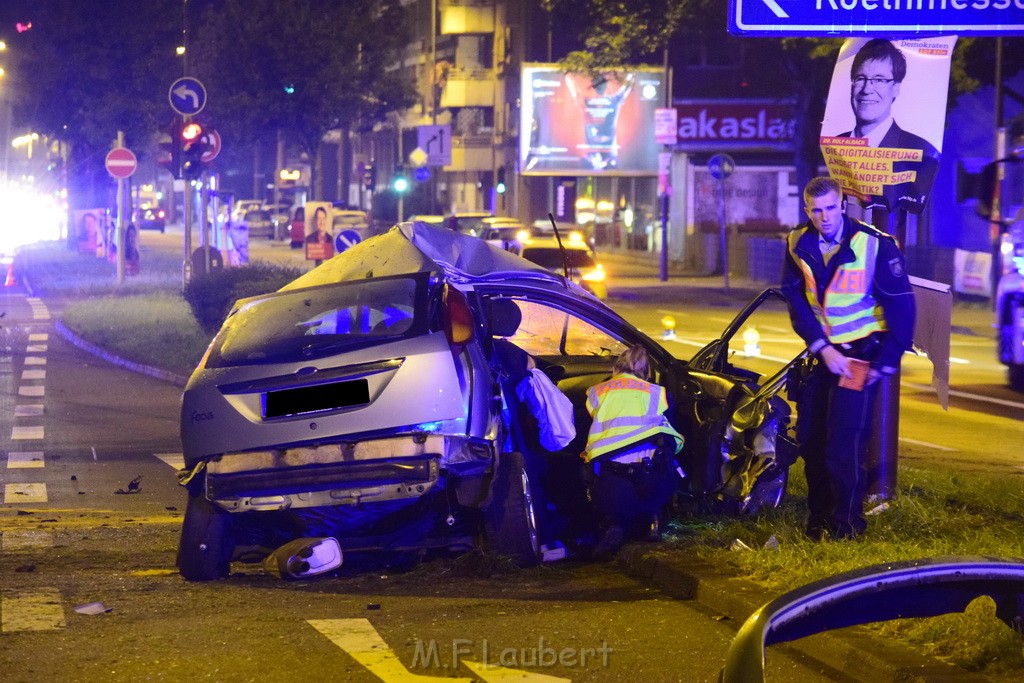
[[458, 317]]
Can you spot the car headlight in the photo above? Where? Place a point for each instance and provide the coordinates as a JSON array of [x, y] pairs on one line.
[[523, 236], [575, 237], [595, 275]]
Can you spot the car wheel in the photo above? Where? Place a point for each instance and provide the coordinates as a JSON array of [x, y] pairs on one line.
[[510, 521], [1015, 375], [206, 544]]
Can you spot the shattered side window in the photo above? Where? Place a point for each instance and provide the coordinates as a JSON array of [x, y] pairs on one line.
[[549, 331]]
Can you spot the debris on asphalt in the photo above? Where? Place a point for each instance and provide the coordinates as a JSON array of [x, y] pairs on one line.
[[772, 543], [25, 568], [133, 486], [91, 608]]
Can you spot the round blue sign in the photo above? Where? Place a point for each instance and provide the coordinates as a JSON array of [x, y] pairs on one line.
[[721, 166], [345, 240], [421, 174], [187, 96]]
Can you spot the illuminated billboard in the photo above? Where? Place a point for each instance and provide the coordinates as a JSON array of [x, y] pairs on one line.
[[571, 125]]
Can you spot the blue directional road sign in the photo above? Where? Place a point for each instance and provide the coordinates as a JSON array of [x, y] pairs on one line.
[[421, 174], [721, 166], [187, 96], [882, 18], [436, 141], [345, 240]]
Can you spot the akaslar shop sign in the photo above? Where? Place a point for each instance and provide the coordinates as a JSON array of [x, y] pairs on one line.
[[734, 124]]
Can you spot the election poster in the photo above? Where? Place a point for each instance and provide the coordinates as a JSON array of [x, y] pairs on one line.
[[884, 119]]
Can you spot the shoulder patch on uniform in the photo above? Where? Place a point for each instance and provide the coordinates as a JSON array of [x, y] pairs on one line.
[[896, 266]]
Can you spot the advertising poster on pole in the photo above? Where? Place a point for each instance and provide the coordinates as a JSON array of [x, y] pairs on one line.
[[572, 124], [319, 240], [89, 231], [884, 119]]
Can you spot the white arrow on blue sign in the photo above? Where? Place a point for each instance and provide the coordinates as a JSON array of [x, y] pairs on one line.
[[345, 240], [187, 96], [856, 18], [721, 166]]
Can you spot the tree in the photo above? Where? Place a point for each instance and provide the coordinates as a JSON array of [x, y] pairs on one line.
[[304, 67], [88, 68]]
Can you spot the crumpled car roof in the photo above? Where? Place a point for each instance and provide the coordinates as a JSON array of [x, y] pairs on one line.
[[419, 247]]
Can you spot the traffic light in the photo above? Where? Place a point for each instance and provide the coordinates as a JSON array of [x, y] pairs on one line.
[[193, 146], [500, 186], [369, 176], [170, 150], [400, 183]]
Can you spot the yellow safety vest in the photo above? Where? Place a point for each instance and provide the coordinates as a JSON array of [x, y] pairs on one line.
[[849, 312], [626, 410]]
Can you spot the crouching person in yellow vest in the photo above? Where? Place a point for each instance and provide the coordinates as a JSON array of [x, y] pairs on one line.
[[630, 451]]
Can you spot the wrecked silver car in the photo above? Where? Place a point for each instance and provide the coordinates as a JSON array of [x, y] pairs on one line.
[[365, 401]]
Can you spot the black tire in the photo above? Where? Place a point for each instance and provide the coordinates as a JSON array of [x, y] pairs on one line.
[[1015, 375], [510, 521], [206, 544]]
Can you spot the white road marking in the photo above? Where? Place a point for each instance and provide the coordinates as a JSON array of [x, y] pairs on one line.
[[39, 337], [360, 640], [37, 610], [34, 391], [926, 444], [35, 360], [33, 374], [28, 433], [175, 460], [29, 410], [26, 539], [15, 494], [24, 460], [36, 348], [964, 394]]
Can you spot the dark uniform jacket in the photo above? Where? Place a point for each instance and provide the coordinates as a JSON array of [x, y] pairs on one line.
[[890, 286]]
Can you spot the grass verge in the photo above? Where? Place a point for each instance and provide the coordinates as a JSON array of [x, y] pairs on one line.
[[935, 512]]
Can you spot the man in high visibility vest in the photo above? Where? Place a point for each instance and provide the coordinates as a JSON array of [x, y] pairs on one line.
[[850, 300], [630, 448]]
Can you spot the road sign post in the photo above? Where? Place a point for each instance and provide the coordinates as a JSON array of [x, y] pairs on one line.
[[436, 141], [721, 166], [853, 18]]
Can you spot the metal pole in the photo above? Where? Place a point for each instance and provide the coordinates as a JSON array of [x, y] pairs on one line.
[[723, 242], [121, 201], [882, 457]]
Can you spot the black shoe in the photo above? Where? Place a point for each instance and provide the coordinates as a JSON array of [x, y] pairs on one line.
[[609, 544], [817, 533]]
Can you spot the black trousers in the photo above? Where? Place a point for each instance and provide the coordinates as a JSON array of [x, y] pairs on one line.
[[630, 497], [834, 428]]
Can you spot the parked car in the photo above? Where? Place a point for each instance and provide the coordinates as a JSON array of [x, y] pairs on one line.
[[426, 218], [508, 234], [260, 224], [297, 227], [279, 215], [150, 219], [466, 222], [573, 257], [242, 207], [362, 402]]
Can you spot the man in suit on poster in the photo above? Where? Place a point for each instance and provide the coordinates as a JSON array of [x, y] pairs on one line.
[[876, 75]]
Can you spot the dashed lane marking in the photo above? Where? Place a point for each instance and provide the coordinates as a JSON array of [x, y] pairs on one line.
[[33, 374], [29, 410], [36, 348], [28, 433], [37, 610], [16, 494], [31, 390], [25, 460], [35, 360], [26, 539], [39, 337]]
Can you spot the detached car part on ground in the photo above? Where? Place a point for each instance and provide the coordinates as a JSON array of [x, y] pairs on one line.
[[895, 590], [362, 402]]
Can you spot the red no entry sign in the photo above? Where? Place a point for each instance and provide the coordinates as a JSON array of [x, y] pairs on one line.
[[121, 162]]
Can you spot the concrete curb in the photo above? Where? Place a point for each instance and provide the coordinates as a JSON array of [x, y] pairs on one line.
[[156, 373], [853, 652]]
